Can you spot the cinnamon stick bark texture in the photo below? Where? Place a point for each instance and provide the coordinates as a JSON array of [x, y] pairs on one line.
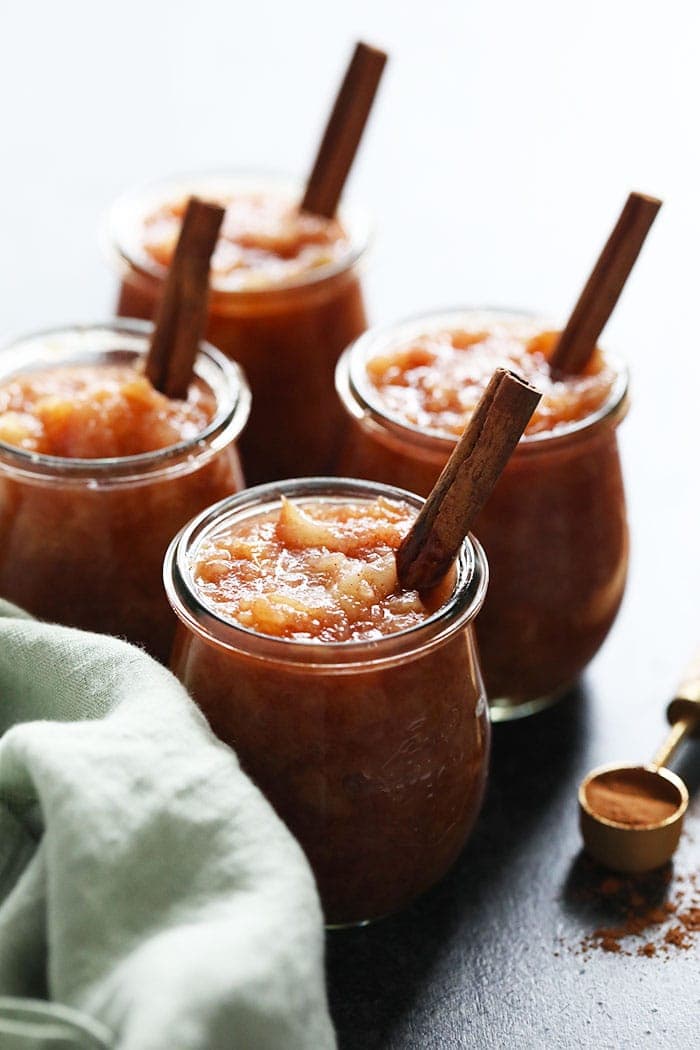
[[597, 300], [182, 312], [344, 131], [430, 547]]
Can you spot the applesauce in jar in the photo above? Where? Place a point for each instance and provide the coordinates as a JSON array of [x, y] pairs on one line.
[[554, 528], [285, 300], [357, 708], [98, 470], [100, 410]]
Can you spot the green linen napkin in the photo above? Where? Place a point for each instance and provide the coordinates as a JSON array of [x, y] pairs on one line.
[[150, 899]]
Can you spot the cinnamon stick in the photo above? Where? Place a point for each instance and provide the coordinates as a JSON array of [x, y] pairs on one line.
[[182, 312], [597, 300], [344, 131], [431, 546]]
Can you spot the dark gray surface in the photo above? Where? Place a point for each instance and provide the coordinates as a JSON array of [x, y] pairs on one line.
[[491, 958]]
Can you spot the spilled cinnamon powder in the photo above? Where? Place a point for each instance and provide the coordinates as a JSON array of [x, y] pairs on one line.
[[650, 915], [635, 797]]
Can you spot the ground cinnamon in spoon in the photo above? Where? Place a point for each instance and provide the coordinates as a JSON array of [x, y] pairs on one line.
[[635, 797]]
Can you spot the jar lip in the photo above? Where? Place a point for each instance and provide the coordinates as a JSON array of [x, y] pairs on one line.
[[123, 219], [460, 608], [351, 376], [211, 365]]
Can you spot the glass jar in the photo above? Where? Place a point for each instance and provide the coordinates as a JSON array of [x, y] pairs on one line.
[[82, 540], [374, 753], [286, 335], [554, 530]]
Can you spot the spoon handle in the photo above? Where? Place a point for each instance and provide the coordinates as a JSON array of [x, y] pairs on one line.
[[678, 732], [686, 704]]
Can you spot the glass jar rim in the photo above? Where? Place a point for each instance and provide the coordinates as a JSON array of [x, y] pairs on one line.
[[353, 388], [128, 209], [227, 422], [455, 613]]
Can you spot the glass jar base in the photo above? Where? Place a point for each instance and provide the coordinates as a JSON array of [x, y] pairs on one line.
[[503, 709]]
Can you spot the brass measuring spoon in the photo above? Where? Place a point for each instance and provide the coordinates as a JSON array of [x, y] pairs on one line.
[[640, 846]]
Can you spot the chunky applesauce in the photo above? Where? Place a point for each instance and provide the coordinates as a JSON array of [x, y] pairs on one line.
[[97, 411], [98, 471], [554, 528], [265, 240], [435, 380], [313, 571], [285, 301], [358, 710]]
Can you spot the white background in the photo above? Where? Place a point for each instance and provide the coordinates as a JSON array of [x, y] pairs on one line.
[[503, 144]]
